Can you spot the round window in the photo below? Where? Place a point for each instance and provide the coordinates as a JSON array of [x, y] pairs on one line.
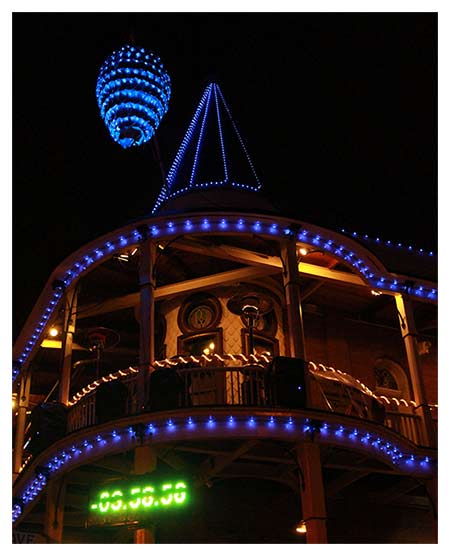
[[200, 317], [199, 312]]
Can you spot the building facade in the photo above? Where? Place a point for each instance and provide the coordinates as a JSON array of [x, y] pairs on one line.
[[221, 372]]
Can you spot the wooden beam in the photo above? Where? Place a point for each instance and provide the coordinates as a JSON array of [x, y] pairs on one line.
[[355, 468], [248, 257], [289, 481], [313, 287], [168, 455], [229, 253], [223, 461], [219, 279], [344, 480], [396, 491], [108, 306], [197, 284], [325, 273], [211, 451]]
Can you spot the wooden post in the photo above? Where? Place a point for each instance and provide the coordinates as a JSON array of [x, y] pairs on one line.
[[70, 311], [144, 462], [312, 492], [144, 536], [23, 403], [409, 334], [54, 510], [295, 333], [291, 282], [147, 316]]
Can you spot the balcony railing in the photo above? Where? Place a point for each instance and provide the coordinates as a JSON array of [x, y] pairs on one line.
[[406, 424], [194, 385], [187, 387]]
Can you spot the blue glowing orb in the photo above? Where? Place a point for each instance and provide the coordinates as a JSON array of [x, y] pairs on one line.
[[133, 92]]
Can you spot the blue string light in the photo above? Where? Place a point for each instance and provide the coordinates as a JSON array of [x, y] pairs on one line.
[[222, 146], [174, 187], [199, 142], [251, 422], [190, 423], [133, 92], [342, 435], [388, 243], [104, 250]]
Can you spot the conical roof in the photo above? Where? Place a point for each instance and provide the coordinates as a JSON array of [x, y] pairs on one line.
[[211, 156]]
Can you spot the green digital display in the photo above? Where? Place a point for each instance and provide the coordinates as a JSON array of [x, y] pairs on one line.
[[131, 501]]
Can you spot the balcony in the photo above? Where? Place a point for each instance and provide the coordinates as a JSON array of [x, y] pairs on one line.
[[199, 383], [228, 398]]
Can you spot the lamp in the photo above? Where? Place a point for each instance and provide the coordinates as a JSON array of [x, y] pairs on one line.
[[250, 304], [301, 527], [304, 252], [97, 340], [53, 332], [250, 310]]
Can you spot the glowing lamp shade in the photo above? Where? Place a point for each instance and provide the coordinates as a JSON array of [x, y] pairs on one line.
[[133, 92]]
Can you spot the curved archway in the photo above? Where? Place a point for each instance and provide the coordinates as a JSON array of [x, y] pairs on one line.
[[390, 379]]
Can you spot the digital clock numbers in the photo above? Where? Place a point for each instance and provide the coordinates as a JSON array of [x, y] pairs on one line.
[[122, 500]]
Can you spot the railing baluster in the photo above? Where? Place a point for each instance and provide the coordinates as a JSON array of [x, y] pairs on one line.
[[229, 385]]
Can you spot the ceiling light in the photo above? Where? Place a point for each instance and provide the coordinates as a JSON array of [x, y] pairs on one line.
[[301, 527], [53, 332]]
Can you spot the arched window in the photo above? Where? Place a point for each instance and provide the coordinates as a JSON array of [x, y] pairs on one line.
[[390, 379], [384, 379]]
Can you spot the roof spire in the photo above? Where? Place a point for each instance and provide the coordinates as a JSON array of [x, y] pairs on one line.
[[212, 152]]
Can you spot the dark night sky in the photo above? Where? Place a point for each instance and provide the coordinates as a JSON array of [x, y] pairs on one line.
[[338, 111]]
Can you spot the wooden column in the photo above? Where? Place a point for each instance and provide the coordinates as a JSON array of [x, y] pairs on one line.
[[54, 510], [146, 316], [295, 330], [70, 310], [144, 536], [312, 493], [144, 462], [409, 334], [23, 403], [291, 282]]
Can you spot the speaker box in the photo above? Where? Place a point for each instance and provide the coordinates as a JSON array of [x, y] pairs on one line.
[[110, 401], [165, 388], [287, 379]]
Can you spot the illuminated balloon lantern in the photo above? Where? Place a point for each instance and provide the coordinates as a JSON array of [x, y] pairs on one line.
[[133, 92]]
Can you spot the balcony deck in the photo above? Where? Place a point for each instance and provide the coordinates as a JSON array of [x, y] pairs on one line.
[[228, 401]]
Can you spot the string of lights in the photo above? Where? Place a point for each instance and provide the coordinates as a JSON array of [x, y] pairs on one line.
[[164, 230], [389, 243], [289, 427], [259, 359], [133, 92], [195, 132]]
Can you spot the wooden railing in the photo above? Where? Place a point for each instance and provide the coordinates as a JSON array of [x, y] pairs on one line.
[[189, 387], [195, 386], [406, 424]]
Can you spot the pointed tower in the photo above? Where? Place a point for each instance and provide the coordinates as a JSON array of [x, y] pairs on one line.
[[212, 163]]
